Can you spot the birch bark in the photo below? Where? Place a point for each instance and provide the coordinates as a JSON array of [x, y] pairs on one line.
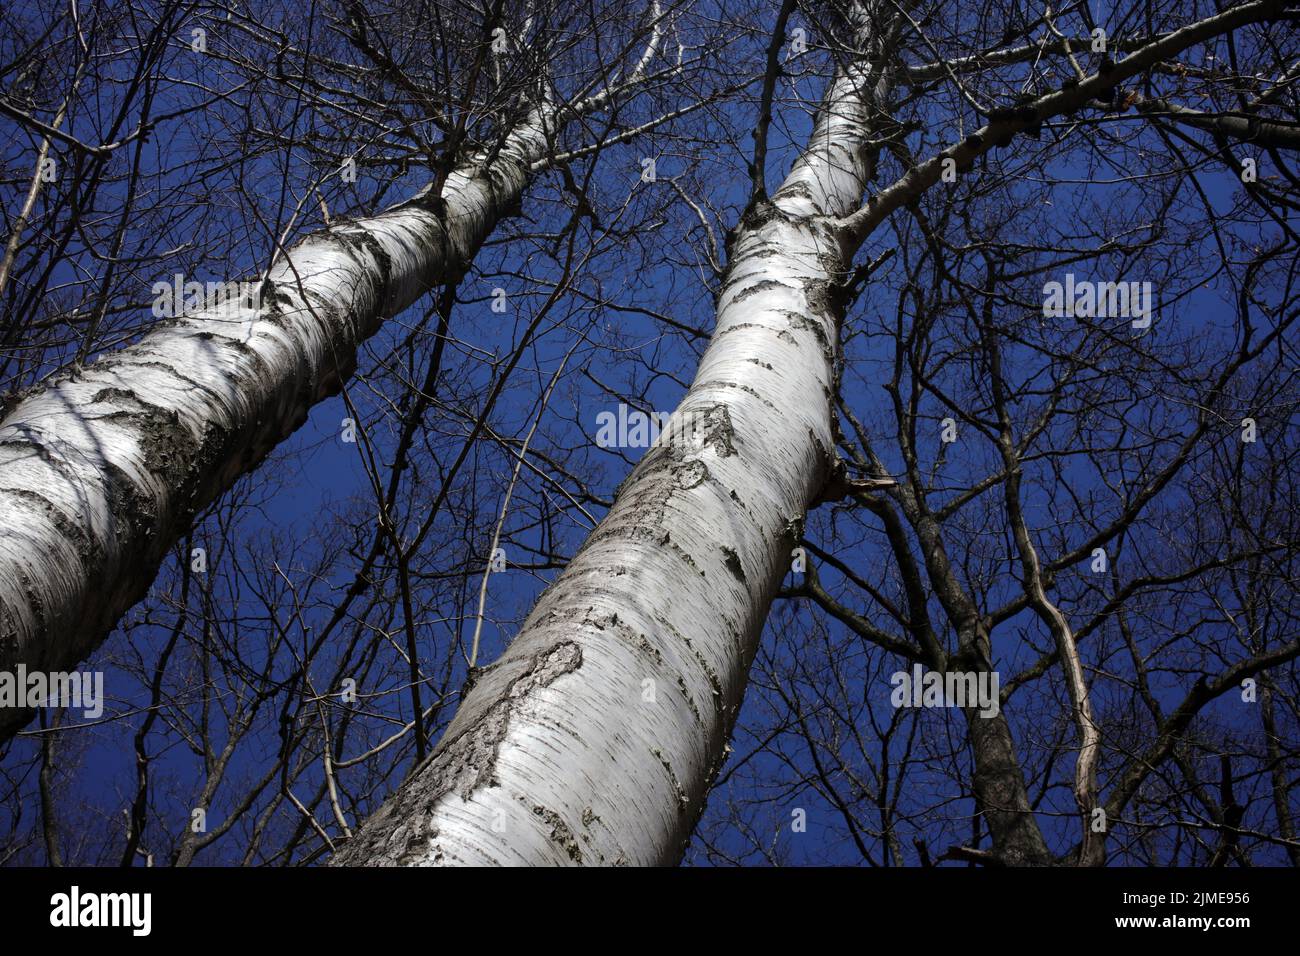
[[595, 737], [102, 470]]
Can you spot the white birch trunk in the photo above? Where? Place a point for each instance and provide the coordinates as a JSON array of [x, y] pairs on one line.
[[102, 470], [556, 754]]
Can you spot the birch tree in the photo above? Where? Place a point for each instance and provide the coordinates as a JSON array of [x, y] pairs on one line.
[[106, 463], [556, 755]]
